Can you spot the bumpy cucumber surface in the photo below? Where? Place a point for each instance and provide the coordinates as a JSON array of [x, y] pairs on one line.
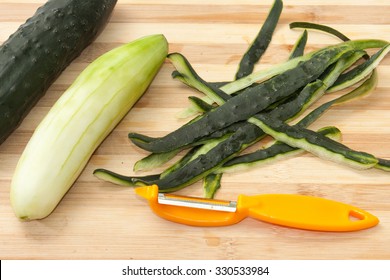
[[276, 151], [314, 143], [253, 99], [190, 171], [34, 56], [261, 42]]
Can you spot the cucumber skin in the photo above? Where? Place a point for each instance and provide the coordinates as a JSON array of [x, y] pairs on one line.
[[35, 55], [261, 42], [307, 139], [232, 111]]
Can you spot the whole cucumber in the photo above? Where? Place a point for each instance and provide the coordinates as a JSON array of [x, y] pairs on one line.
[[36, 54]]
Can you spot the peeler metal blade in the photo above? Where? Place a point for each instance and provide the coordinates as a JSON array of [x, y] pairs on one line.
[[198, 203]]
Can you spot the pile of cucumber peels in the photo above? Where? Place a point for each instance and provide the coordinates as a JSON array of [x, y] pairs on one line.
[[235, 115]]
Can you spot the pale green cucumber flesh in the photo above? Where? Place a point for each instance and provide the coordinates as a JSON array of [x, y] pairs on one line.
[[314, 143], [276, 151], [79, 121]]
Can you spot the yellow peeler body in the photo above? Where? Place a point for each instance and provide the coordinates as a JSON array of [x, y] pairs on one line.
[[290, 210]]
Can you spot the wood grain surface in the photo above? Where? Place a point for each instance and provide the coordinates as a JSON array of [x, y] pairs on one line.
[[98, 220]]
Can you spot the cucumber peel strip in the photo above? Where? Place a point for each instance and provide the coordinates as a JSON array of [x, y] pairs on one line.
[[314, 143], [170, 183], [227, 89], [346, 65], [361, 71], [274, 152], [299, 47], [211, 183], [239, 162], [353, 158], [261, 42], [340, 66], [271, 91], [341, 153], [192, 79], [139, 181], [259, 76], [263, 75], [321, 27], [184, 70]]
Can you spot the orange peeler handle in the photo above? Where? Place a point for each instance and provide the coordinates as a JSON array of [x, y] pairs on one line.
[[297, 211], [306, 212]]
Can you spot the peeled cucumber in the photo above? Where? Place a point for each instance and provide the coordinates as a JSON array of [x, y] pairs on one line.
[[79, 121]]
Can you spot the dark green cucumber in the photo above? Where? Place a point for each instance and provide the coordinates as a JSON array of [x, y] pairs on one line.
[[261, 42], [247, 103], [35, 55]]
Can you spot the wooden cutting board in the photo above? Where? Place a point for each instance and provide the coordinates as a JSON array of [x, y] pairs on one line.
[[98, 220]]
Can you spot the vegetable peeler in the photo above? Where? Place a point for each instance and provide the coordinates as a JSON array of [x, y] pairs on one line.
[[290, 210]]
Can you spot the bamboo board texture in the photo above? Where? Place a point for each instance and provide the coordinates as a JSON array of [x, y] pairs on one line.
[[98, 220]]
